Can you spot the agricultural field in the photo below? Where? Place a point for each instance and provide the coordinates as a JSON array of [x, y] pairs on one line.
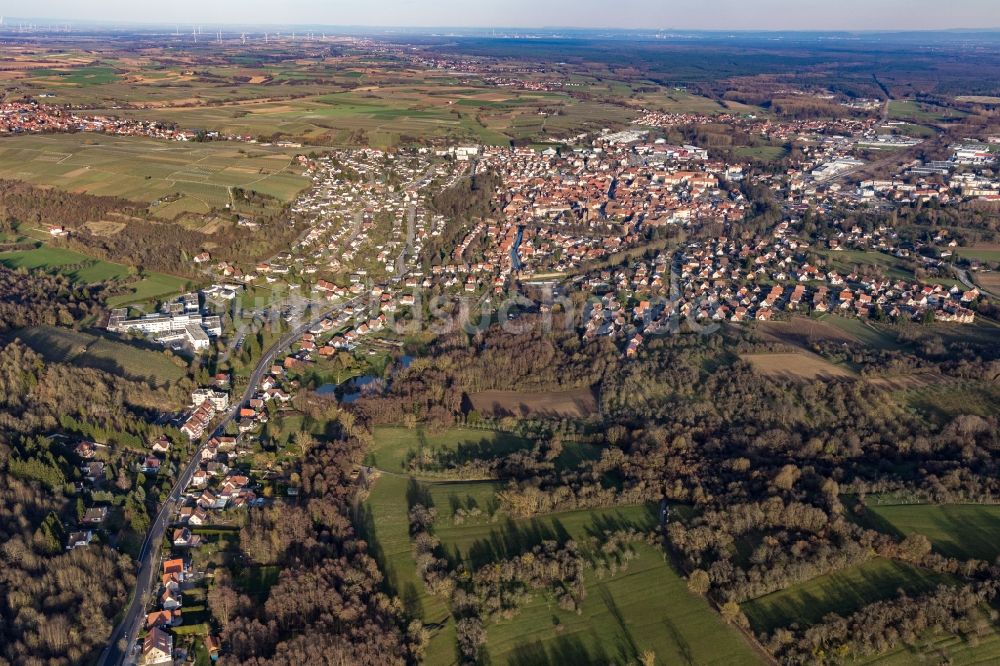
[[922, 113], [578, 403], [173, 177], [386, 115], [796, 365], [987, 252], [64, 345], [842, 592], [965, 531]]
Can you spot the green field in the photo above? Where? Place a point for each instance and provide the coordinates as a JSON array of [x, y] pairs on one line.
[[83, 76], [394, 447], [483, 542], [843, 592], [944, 648], [764, 153], [64, 345], [81, 268], [956, 530], [963, 397], [193, 177], [980, 254], [152, 287], [904, 109], [647, 607], [385, 525]]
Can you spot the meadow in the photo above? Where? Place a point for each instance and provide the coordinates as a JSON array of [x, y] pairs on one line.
[[81, 268], [437, 452], [64, 345], [842, 592], [644, 607], [964, 531]]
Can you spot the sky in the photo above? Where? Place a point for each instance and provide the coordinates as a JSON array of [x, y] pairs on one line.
[[677, 14]]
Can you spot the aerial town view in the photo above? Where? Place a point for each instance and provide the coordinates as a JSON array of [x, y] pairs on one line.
[[500, 333]]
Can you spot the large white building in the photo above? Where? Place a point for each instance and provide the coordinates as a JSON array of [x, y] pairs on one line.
[[180, 321], [219, 399]]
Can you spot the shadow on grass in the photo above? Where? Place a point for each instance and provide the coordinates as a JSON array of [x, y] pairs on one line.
[[565, 650]]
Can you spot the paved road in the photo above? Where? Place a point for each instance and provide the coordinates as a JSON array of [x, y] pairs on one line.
[[963, 277], [149, 555]]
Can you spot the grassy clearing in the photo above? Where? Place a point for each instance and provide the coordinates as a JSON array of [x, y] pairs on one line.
[[152, 287], [64, 345], [980, 398], [763, 153], [956, 530], [647, 607], [395, 447], [842, 592], [860, 330], [482, 543], [79, 267], [384, 524]]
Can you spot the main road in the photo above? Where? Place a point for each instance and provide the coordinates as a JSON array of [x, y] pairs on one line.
[[149, 560]]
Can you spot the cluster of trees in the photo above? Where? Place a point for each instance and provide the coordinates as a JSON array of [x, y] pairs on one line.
[[328, 605], [888, 624], [57, 607], [22, 203], [142, 242], [33, 299], [762, 459]]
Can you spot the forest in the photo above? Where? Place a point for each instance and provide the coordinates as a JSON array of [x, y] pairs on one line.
[[57, 605]]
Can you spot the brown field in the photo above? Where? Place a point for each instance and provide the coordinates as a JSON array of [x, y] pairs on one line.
[[578, 403], [796, 365], [913, 381], [104, 227], [978, 99], [802, 331], [989, 281]]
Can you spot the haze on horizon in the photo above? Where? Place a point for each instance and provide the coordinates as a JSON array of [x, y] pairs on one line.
[[653, 14]]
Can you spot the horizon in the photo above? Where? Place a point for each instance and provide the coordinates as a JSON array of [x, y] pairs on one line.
[[850, 16]]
